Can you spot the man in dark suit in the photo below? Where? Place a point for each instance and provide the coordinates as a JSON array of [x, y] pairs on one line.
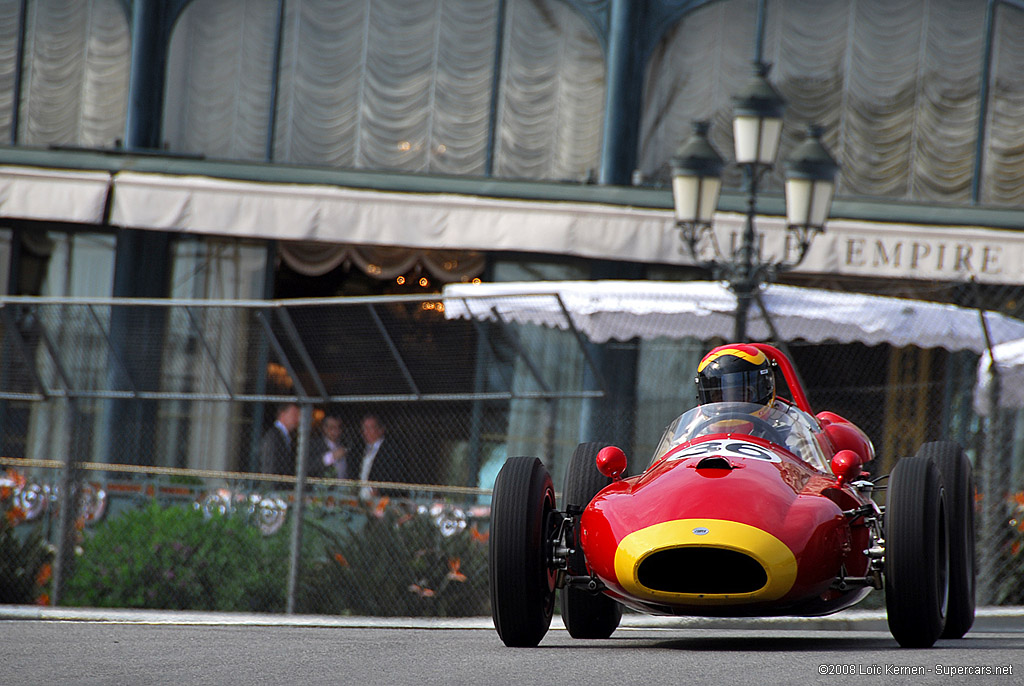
[[277, 452], [328, 456], [380, 459]]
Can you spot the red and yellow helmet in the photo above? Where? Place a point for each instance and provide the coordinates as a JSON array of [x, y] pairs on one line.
[[735, 373]]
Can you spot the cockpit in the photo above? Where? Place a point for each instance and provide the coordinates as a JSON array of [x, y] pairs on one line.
[[782, 424]]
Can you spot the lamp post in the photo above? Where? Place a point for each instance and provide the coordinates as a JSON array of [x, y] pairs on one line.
[[696, 185]]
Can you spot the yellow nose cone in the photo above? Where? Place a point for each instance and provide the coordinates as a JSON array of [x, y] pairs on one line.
[[704, 562]]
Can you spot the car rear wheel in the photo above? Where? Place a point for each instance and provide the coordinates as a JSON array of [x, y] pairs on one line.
[[584, 613], [958, 480], [916, 553], [522, 581]]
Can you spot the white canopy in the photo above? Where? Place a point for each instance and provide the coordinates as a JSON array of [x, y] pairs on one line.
[[53, 195], [621, 310], [1009, 358], [325, 213]]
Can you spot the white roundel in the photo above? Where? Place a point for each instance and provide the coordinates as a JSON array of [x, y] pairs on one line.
[[728, 448]]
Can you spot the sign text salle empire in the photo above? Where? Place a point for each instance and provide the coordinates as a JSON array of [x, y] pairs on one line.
[[954, 258]]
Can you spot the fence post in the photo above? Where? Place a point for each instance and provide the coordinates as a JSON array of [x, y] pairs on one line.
[[70, 492], [301, 460], [988, 541]]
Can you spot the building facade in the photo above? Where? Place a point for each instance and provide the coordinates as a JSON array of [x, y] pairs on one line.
[[253, 149]]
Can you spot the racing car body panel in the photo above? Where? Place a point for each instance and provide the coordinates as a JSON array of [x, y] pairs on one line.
[[751, 505], [724, 525]]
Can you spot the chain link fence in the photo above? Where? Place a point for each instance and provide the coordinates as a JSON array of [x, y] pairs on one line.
[[133, 436]]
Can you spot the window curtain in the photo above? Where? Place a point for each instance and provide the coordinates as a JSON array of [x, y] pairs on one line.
[[390, 85], [384, 263], [1003, 172], [552, 99], [548, 429], [75, 79], [218, 88], [77, 265], [668, 368], [896, 83], [207, 350], [8, 60]]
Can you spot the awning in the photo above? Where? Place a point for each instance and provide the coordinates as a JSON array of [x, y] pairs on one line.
[[1009, 370], [331, 214], [621, 310], [53, 194], [336, 214]]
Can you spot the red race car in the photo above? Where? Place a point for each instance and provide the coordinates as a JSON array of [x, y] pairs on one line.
[[751, 506]]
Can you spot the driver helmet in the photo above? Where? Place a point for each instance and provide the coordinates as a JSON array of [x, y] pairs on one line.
[[737, 373]]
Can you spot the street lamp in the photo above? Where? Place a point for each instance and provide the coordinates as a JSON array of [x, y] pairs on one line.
[[696, 184]]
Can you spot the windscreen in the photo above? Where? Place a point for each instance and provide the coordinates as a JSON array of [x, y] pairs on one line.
[[782, 424]]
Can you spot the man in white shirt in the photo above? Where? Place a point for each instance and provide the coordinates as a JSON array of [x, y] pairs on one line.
[[379, 461]]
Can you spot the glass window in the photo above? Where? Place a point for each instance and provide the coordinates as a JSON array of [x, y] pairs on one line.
[[900, 115], [5, 260], [346, 97], [204, 349], [80, 265], [74, 87]]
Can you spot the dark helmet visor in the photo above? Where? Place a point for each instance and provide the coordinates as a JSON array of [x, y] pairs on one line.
[[754, 386]]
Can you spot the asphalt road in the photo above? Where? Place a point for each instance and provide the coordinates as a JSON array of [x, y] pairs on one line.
[[148, 649]]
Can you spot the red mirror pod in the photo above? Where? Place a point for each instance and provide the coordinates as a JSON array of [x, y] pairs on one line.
[[611, 462], [846, 465]]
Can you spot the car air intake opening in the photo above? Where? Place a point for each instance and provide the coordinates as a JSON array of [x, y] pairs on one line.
[[701, 570], [714, 463]]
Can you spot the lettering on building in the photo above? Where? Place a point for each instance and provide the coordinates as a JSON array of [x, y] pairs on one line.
[[902, 256]]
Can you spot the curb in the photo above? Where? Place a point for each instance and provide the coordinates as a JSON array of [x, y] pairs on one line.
[[992, 619]]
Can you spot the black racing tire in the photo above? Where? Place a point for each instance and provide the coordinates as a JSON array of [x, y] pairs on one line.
[[522, 581], [916, 553], [958, 479], [585, 614]]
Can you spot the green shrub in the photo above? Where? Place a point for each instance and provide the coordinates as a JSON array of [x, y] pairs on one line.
[[175, 558], [397, 564]]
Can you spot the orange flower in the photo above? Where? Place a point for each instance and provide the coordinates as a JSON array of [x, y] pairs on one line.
[[45, 572], [1015, 547], [421, 591], [382, 506], [1019, 497], [15, 515], [477, 536], [454, 574], [18, 479], [6, 492], [43, 599], [340, 559]]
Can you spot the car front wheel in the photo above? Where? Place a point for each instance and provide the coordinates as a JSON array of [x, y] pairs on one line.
[[522, 582], [917, 557]]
